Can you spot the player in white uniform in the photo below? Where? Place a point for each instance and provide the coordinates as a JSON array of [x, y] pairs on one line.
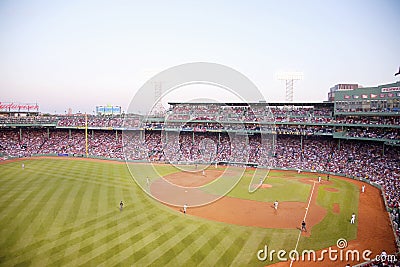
[[184, 208], [276, 204], [353, 218]]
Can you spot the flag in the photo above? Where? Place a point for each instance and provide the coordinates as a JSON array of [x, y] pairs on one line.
[[373, 96], [390, 95], [346, 96], [364, 96], [382, 95], [398, 94], [356, 96]]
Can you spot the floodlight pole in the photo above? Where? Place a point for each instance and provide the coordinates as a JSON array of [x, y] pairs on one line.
[[289, 78], [289, 90], [158, 108]]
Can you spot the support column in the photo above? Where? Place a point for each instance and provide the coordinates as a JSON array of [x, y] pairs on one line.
[[301, 142]]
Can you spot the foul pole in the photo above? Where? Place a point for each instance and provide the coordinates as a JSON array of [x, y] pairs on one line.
[[86, 137]]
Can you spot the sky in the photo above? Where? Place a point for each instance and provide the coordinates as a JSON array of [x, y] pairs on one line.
[[81, 54]]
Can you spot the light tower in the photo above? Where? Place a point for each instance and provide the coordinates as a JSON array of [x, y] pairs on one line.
[[290, 77], [158, 108]]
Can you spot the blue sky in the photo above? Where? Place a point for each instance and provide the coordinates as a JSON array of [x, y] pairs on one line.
[[79, 54]]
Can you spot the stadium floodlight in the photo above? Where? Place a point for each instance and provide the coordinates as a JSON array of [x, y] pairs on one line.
[[290, 77], [158, 108]]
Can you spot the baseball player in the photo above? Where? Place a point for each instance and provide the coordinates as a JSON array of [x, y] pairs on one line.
[[276, 204], [363, 188], [303, 226], [184, 208], [319, 179], [148, 182], [121, 205], [353, 218], [204, 173], [23, 166]]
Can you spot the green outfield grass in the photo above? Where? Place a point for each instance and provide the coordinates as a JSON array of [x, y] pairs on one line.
[[293, 189], [59, 212]]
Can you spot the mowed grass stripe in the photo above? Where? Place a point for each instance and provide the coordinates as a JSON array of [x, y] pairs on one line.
[[93, 200], [233, 242], [172, 246], [149, 240], [93, 180], [136, 231], [19, 214], [15, 191], [55, 206], [42, 227], [83, 210], [218, 247], [47, 211], [193, 252], [111, 173], [44, 246], [65, 208], [67, 192], [116, 242], [79, 236], [80, 171], [93, 240], [248, 251], [61, 245], [211, 238], [70, 214], [8, 176]]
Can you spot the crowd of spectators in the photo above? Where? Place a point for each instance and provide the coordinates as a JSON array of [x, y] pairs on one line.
[[356, 158], [29, 120], [380, 133], [40, 141], [93, 121], [390, 120], [214, 112]]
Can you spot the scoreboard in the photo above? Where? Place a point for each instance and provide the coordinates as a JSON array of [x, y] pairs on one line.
[[108, 110]]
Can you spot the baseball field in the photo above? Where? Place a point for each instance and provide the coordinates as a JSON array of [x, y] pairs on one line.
[[65, 212]]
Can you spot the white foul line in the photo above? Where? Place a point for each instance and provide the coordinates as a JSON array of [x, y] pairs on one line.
[[304, 219]]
